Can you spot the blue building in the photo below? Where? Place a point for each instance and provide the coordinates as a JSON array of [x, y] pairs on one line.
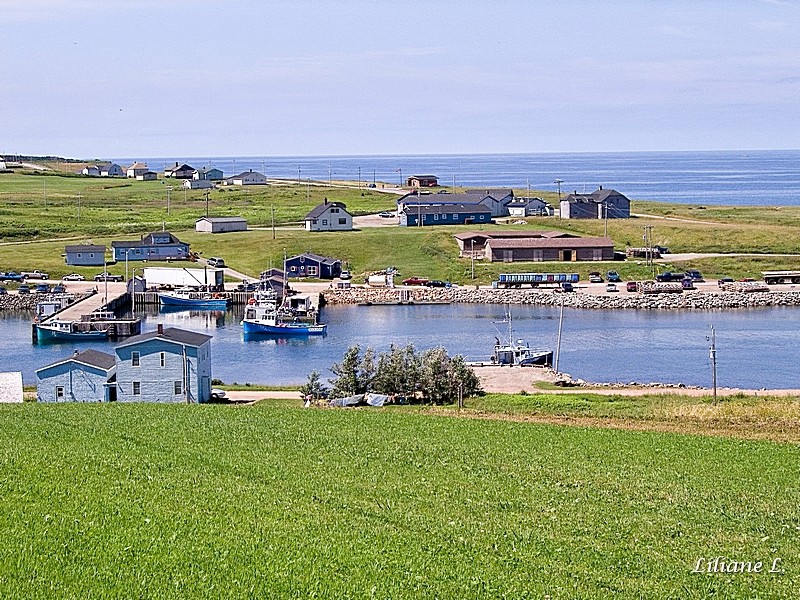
[[87, 255], [445, 214], [313, 265], [166, 365], [161, 245], [86, 376]]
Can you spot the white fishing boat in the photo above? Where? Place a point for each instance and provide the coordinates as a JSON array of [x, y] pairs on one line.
[[518, 352], [263, 315], [189, 298]]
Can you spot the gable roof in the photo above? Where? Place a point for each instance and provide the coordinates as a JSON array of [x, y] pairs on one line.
[[443, 199], [147, 240], [496, 193], [316, 257], [170, 334], [138, 165], [598, 196], [91, 358], [321, 208], [222, 219], [513, 233], [183, 167], [575, 242], [85, 248], [439, 209]]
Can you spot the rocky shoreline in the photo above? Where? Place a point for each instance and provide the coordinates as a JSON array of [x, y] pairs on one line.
[[684, 301]]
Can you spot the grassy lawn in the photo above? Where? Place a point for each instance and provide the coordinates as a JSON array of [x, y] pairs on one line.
[[214, 501]]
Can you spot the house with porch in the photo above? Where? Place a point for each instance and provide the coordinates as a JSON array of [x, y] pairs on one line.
[[165, 365], [87, 376], [313, 265], [160, 245], [329, 216]]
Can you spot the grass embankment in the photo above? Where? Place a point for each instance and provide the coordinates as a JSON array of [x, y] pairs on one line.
[[123, 209], [213, 501]]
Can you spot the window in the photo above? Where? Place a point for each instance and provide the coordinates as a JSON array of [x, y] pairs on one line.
[[324, 221], [455, 216], [312, 270], [483, 217], [137, 388], [79, 255], [342, 221], [163, 359], [334, 210], [134, 359], [538, 255], [436, 217], [59, 393], [178, 388], [313, 221]]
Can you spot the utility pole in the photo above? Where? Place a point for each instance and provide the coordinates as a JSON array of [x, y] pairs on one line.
[[80, 197], [648, 234], [207, 194], [273, 221], [558, 341], [169, 190], [558, 183], [605, 216], [713, 355], [359, 177]]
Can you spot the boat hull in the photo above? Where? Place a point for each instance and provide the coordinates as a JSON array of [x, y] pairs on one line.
[[195, 303], [283, 329], [45, 335]]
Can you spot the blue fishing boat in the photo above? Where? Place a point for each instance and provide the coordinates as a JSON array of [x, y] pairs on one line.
[[66, 331], [188, 298], [263, 315]]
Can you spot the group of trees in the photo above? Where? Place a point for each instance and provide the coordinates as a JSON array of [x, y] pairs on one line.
[[430, 377]]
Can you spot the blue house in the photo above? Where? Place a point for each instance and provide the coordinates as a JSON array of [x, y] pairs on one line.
[[87, 255], [166, 365], [161, 245], [86, 376], [445, 214], [313, 265]]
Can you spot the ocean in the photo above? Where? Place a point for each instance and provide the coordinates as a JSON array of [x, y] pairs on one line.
[[740, 178]]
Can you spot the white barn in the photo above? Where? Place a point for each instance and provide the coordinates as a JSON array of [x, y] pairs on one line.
[[220, 224]]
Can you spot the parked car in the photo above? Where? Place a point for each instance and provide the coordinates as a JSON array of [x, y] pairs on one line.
[[435, 283], [10, 276], [687, 283], [661, 249], [35, 274], [24, 289], [415, 281], [73, 277], [613, 277], [42, 288], [59, 289], [217, 394], [631, 286], [345, 275], [667, 276], [3, 291], [385, 214], [723, 280], [611, 287], [216, 261], [694, 274], [565, 286], [595, 277], [106, 276]]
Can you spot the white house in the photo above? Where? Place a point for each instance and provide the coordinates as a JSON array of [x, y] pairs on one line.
[[135, 170], [530, 207], [111, 170], [329, 216], [247, 178], [91, 171], [220, 224], [198, 184]]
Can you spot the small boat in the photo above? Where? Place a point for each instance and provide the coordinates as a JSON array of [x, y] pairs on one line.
[[65, 331], [518, 352], [263, 315], [188, 298]]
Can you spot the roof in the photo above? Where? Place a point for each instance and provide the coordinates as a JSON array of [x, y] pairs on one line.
[[316, 257], [147, 241], [597, 196], [85, 248], [170, 334], [517, 202], [91, 358], [222, 219], [138, 165], [423, 177], [514, 233], [321, 208], [244, 174], [441, 199], [496, 193], [443, 209], [575, 242], [183, 167]]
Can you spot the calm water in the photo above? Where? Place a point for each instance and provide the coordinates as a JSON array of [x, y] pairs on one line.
[[732, 178], [755, 348]]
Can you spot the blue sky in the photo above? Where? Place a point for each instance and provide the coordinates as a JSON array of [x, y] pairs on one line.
[[85, 78]]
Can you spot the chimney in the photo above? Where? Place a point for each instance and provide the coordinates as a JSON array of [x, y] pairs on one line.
[[75, 353], [601, 187], [326, 200], [160, 329]]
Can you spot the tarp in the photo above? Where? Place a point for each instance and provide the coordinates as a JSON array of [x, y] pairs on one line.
[[349, 401], [377, 399]]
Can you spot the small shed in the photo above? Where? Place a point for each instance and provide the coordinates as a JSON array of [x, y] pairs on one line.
[[11, 387], [86, 376], [86, 255], [313, 265], [422, 181], [220, 224], [147, 176], [198, 184]]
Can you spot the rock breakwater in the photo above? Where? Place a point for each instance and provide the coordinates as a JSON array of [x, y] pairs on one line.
[[685, 301]]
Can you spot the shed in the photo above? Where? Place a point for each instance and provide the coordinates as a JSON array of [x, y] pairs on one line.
[[11, 387], [422, 181], [198, 184], [211, 174], [165, 365], [313, 265], [86, 376], [329, 216], [147, 176], [220, 224], [86, 255], [549, 249]]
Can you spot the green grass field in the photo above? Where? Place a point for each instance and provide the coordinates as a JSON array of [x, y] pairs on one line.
[[182, 502]]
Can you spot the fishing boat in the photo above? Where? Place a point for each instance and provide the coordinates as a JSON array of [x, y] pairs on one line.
[[66, 331], [264, 315], [518, 352], [189, 298]]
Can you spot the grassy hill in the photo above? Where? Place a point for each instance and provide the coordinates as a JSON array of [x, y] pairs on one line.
[[220, 502]]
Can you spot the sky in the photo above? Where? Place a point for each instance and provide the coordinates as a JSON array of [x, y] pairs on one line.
[[99, 79]]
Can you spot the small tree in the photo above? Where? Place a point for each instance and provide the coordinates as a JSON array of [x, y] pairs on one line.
[[346, 382], [313, 389]]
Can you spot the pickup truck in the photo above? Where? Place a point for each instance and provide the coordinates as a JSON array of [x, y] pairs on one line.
[[105, 276], [10, 276], [667, 277], [35, 274]]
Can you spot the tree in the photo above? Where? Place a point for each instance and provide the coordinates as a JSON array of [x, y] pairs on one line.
[[312, 390], [346, 382]]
